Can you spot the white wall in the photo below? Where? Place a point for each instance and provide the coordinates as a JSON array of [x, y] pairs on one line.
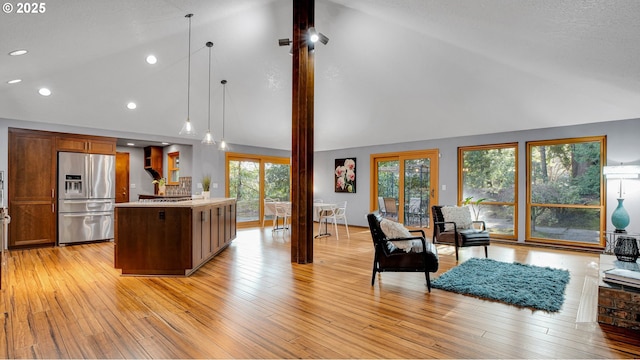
[[622, 146], [138, 176]]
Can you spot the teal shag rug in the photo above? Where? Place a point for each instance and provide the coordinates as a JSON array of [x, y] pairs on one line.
[[522, 285]]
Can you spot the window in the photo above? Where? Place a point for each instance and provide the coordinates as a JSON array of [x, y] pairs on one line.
[[173, 161], [489, 172], [251, 179], [565, 194], [408, 182]]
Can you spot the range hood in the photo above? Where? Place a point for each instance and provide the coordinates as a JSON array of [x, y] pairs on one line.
[[155, 174], [153, 161]]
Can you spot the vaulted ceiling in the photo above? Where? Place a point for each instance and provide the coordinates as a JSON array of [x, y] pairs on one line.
[[393, 70]]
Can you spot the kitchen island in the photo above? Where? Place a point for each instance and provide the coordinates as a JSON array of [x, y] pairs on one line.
[[171, 237]]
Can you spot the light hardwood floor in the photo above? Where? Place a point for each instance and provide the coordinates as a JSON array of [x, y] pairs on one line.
[[252, 302]]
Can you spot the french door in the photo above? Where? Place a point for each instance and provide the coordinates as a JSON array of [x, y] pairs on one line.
[[251, 179], [407, 184]]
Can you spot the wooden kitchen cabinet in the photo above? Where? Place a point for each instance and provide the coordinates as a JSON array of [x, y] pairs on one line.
[[153, 240], [32, 188], [32, 182], [86, 144]]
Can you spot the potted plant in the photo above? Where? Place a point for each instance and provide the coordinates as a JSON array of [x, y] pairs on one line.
[[475, 205], [206, 183], [161, 185]]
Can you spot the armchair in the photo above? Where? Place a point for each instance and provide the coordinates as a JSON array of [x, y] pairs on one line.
[[452, 233], [399, 260]]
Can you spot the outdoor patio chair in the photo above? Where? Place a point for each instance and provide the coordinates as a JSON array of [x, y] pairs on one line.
[[390, 208]]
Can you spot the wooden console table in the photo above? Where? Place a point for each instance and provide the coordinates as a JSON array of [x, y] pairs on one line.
[[618, 305]]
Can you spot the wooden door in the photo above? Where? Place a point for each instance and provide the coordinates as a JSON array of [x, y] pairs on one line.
[[32, 188], [122, 177]]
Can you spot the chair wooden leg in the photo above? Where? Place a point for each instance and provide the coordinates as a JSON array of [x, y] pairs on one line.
[[456, 252], [486, 252]]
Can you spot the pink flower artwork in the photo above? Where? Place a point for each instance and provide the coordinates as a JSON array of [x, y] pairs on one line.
[[345, 173]]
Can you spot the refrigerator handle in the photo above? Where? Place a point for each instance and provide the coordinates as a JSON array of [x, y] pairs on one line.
[[90, 177]]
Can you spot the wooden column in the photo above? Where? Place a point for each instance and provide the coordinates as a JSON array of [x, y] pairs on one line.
[[302, 135]]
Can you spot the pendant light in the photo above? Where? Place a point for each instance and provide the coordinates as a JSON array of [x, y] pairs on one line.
[[187, 127], [223, 144], [208, 138]]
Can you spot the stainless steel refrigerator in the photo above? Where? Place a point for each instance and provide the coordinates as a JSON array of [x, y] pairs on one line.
[[86, 197]]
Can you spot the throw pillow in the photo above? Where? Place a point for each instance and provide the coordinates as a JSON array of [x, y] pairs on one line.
[[461, 215], [394, 230]]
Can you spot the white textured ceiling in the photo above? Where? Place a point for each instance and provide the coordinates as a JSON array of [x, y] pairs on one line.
[[393, 70]]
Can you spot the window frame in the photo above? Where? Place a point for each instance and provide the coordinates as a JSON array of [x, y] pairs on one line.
[[515, 204], [261, 159], [401, 156], [601, 207], [171, 167]]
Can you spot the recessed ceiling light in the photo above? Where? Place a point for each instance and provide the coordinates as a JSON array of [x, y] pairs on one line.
[[151, 59], [165, 143], [131, 144], [18, 52], [131, 105], [44, 92], [14, 81]]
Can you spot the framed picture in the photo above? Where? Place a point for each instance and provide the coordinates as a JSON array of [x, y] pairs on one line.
[[345, 175]]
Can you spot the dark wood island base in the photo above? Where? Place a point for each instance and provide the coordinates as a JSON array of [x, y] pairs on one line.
[[171, 238]]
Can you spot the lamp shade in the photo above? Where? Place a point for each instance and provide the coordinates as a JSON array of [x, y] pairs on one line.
[[621, 171]]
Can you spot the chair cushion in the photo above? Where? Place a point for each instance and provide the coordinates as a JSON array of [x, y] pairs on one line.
[[473, 237], [461, 215]]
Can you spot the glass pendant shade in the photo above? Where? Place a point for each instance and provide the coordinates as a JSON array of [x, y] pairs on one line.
[[223, 145], [187, 128], [208, 139]]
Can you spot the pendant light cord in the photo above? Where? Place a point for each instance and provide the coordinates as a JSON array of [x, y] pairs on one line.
[[189, 68], [209, 44], [224, 101]]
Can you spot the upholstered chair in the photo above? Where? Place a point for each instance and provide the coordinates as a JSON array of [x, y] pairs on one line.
[[458, 229]]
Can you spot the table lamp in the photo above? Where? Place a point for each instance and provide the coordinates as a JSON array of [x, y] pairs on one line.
[[620, 216]]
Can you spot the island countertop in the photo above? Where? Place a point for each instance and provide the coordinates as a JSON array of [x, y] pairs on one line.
[[182, 203]]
